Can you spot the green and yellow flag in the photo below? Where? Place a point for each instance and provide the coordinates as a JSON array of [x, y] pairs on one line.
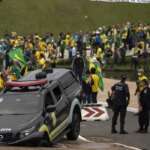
[[17, 55], [96, 65]]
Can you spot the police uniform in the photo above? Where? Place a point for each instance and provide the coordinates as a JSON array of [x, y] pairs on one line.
[[140, 86], [144, 117], [120, 98], [140, 83]]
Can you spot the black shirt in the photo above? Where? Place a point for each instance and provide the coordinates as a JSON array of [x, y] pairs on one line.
[[121, 94], [145, 98], [78, 64]]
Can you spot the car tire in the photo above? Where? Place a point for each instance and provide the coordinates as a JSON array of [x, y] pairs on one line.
[[74, 127]]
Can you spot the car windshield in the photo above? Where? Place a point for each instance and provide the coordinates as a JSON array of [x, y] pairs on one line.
[[18, 104]]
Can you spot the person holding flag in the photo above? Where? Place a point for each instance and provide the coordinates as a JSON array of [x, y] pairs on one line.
[[94, 63], [94, 80], [19, 65]]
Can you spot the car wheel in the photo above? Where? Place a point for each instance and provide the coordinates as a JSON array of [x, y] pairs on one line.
[[75, 127]]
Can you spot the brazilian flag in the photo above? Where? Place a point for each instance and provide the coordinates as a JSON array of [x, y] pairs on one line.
[[16, 54], [98, 72]]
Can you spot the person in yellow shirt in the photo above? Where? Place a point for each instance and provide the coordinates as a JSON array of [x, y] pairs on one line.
[[42, 46], [28, 45], [100, 55], [94, 84], [42, 61], [93, 63], [104, 38], [11, 76], [2, 82], [37, 55]]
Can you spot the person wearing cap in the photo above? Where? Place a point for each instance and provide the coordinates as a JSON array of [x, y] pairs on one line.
[[120, 99], [144, 100]]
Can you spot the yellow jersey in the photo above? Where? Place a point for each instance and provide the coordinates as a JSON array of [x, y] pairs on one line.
[[99, 54], [95, 80], [2, 83]]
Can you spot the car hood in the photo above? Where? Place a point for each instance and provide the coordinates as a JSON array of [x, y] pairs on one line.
[[17, 122]]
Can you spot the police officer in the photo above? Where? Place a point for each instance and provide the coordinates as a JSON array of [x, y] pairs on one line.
[[78, 66], [140, 85], [144, 100], [120, 98], [141, 77]]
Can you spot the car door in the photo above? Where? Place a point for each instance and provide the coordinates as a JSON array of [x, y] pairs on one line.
[[50, 117], [61, 104]]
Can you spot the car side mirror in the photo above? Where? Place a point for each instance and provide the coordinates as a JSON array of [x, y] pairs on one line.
[[50, 108]]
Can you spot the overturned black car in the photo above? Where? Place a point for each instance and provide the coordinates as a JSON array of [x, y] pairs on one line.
[[40, 108]]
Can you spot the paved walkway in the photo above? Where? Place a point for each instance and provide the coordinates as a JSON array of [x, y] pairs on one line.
[[102, 96]]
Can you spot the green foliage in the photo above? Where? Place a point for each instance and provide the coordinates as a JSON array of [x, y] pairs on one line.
[[27, 16]]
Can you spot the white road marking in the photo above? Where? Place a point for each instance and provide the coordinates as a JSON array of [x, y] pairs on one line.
[[118, 144], [84, 139], [125, 146], [130, 109]]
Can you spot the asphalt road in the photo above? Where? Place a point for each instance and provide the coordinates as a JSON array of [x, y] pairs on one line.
[[100, 132]]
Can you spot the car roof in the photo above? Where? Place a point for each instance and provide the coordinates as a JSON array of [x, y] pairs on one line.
[[55, 75]]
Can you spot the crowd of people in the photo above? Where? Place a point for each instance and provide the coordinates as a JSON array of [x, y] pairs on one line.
[[105, 42], [20, 54]]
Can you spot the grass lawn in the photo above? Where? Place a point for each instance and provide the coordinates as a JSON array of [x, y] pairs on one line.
[[27, 16]]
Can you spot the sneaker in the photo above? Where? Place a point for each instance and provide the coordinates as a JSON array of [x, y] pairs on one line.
[[123, 132]]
